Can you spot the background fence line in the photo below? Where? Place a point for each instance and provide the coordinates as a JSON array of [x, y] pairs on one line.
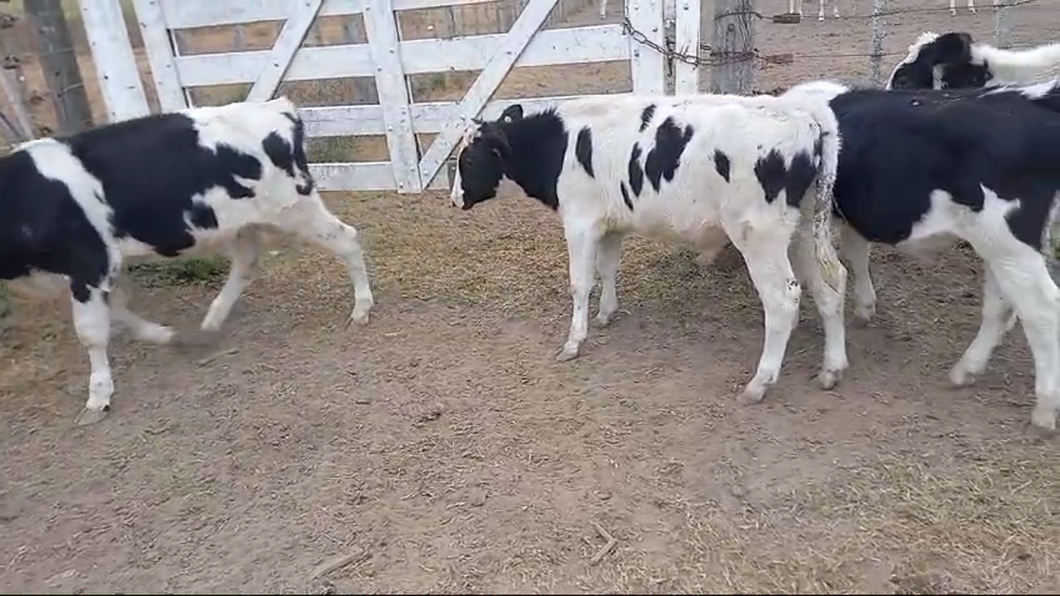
[[43, 50]]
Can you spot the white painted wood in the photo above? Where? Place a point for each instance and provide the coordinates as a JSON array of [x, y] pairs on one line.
[[686, 41], [287, 43], [360, 176], [648, 69], [112, 54], [502, 59], [380, 26], [159, 49], [427, 117], [9, 86], [598, 43], [183, 14]]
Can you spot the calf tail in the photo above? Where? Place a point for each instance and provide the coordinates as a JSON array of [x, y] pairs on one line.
[[827, 148]]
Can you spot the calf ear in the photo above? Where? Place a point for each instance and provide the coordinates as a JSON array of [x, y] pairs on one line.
[[953, 48], [512, 113], [498, 144]]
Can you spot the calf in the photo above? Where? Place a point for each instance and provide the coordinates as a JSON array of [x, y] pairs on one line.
[[209, 178], [982, 165], [691, 169], [953, 61]]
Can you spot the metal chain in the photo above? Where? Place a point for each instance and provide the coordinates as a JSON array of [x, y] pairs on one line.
[[694, 60]]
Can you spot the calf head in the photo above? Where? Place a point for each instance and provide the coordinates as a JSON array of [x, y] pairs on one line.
[[484, 160], [940, 62]]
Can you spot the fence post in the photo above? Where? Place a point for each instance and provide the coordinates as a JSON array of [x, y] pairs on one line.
[[58, 61], [734, 40], [12, 81], [876, 56], [1002, 24]]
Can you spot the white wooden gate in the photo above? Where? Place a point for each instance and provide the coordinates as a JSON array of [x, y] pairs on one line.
[[385, 57]]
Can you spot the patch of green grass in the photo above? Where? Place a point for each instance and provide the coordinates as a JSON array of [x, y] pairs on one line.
[[190, 271]]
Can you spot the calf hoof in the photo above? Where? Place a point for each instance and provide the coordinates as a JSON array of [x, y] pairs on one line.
[[829, 378], [1044, 418], [960, 376], [601, 320], [91, 415], [359, 316], [863, 316], [751, 396], [569, 352]]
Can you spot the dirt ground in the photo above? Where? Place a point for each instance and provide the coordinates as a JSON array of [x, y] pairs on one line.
[[442, 449]]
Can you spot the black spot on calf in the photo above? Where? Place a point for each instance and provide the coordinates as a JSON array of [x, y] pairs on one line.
[[583, 150], [770, 171], [625, 195], [636, 174], [645, 117], [721, 164], [663, 159], [800, 176]]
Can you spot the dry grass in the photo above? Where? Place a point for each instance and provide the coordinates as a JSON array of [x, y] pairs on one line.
[[927, 513], [915, 509]]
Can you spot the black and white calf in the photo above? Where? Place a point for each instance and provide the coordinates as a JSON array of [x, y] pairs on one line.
[[982, 165], [203, 179], [954, 61], [699, 170]]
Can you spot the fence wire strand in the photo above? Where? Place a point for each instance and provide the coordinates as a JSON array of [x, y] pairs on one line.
[[715, 58]]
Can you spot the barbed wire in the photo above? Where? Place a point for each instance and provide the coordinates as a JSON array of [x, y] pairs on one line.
[[716, 58]]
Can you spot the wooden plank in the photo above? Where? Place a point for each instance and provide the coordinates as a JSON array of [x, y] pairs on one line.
[[159, 48], [503, 57], [112, 54], [649, 67], [10, 88], [287, 43], [580, 45], [184, 14], [427, 117], [359, 176], [380, 26], [686, 41]]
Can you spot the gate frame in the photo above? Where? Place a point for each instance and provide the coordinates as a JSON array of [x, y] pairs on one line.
[[385, 56]]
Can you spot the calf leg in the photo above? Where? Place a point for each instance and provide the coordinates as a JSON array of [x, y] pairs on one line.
[[92, 322], [766, 254], [991, 330], [311, 221], [608, 258], [581, 254], [1025, 283], [245, 256], [829, 305], [141, 328], [856, 250]]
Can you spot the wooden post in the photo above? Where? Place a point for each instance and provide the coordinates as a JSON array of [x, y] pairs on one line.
[[734, 38], [58, 62], [12, 79], [878, 31]]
